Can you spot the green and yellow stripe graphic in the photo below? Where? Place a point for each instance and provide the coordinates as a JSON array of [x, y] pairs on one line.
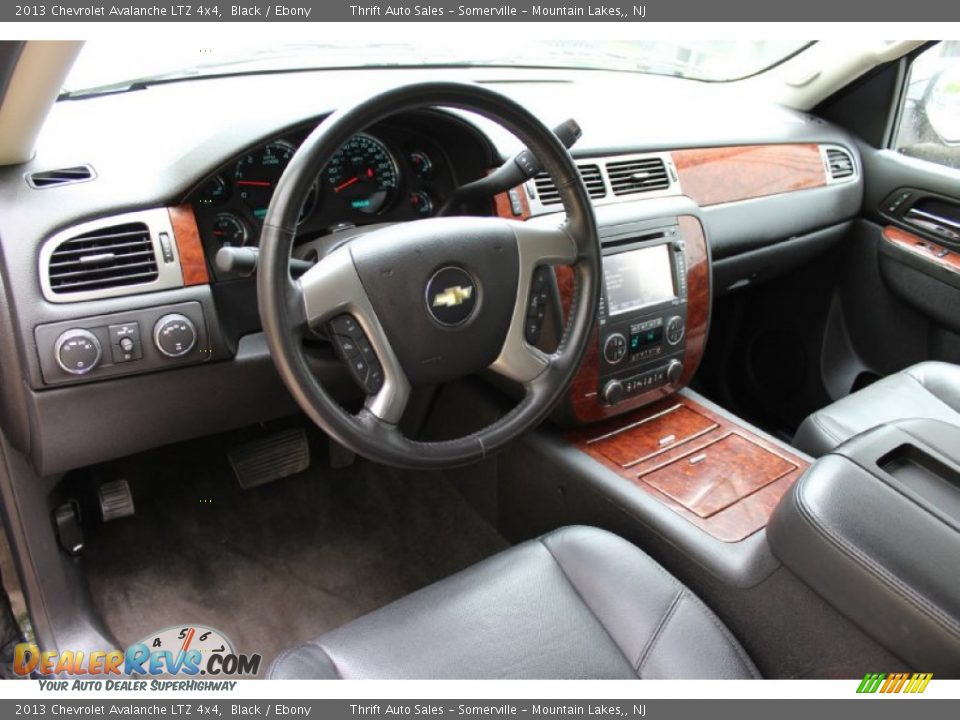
[[895, 683]]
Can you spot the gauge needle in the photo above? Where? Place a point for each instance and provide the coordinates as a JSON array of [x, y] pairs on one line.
[[188, 639], [254, 183], [347, 183]]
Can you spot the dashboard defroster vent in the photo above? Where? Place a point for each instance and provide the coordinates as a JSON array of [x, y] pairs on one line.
[[637, 176], [592, 178], [60, 176], [122, 254], [111, 257]]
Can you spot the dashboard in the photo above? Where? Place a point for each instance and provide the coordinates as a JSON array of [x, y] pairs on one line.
[[177, 352]]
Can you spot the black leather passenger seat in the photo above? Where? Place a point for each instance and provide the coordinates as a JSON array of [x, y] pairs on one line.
[[578, 602], [929, 390]]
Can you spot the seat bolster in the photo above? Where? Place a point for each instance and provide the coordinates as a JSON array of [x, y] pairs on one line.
[[642, 606], [928, 390], [942, 379]]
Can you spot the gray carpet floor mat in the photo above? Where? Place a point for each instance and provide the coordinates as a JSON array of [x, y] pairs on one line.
[[274, 565]]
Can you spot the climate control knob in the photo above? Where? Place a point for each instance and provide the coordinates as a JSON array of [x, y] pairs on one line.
[[77, 351], [174, 335], [674, 371], [613, 392]]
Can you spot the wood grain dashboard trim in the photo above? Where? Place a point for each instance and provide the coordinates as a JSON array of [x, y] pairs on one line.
[[727, 174], [730, 501], [932, 252], [186, 234]]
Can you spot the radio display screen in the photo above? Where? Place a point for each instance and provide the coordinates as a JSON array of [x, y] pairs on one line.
[[638, 278]]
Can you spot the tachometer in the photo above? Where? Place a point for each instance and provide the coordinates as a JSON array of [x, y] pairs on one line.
[[363, 174]]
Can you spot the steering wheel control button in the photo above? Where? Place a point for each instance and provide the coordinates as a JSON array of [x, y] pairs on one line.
[[354, 349], [675, 328], [537, 305], [451, 296], [174, 335], [125, 342], [614, 348], [77, 351]]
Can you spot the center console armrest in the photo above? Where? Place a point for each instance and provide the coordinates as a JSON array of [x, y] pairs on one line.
[[874, 527]]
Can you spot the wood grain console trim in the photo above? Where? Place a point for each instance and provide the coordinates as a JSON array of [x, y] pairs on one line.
[[585, 406], [730, 499], [193, 260], [727, 174], [930, 251]]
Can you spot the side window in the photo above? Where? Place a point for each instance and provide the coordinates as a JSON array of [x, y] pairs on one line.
[[929, 125]]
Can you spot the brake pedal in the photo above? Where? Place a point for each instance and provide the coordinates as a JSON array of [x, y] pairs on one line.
[[115, 498], [271, 458]]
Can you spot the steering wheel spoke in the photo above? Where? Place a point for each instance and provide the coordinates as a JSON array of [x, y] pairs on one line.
[[539, 246], [333, 294]]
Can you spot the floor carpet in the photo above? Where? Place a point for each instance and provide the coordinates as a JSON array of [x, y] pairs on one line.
[[278, 564]]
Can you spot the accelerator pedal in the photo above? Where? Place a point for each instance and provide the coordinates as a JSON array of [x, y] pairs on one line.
[[115, 499], [271, 458]]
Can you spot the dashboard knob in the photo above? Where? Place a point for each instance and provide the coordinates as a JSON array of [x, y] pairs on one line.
[[674, 371], [675, 328], [174, 335], [77, 351], [614, 348], [613, 392]]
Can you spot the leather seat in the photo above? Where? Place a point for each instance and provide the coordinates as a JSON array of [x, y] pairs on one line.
[[928, 390], [576, 603]]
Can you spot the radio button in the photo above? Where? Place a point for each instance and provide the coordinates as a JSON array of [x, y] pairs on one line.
[[615, 348]]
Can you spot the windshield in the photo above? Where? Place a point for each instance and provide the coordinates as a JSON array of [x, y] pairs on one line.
[[105, 64]]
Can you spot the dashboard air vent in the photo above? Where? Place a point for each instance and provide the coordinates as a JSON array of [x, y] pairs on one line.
[[104, 258], [61, 176], [592, 178], [840, 163], [637, 176]]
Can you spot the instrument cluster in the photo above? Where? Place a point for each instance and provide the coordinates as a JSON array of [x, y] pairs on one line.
[[388, 174]]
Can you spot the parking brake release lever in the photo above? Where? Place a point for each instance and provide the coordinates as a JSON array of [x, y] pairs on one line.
[[517, 170]]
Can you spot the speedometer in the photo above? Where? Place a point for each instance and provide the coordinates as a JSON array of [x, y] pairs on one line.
[[363, 175]]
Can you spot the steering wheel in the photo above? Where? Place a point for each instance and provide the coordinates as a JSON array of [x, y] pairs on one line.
[[427, 301]]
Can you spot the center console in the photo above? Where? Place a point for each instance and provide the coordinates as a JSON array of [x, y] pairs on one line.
[[652, 323], [874, 528], [643, 310]]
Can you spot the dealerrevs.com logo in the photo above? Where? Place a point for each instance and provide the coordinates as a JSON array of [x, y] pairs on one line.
[[188, 650]]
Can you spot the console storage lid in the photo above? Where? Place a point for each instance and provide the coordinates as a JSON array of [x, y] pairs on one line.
[[874, 527]]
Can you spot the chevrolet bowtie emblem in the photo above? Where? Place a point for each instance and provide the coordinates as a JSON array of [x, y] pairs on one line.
[[453, 296]]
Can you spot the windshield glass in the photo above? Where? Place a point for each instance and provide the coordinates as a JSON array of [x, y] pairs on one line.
[[105, 64]]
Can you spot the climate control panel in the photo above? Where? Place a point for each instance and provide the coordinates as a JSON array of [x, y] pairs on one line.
[[107, 345]]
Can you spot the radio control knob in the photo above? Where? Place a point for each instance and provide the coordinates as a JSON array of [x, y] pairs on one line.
[[77, 351], [674, 371], [614, 348], [174, 335], [613, 392], [675, 329]]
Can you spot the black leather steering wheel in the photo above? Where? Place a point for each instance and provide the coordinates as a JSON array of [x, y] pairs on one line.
[[438, 299]]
